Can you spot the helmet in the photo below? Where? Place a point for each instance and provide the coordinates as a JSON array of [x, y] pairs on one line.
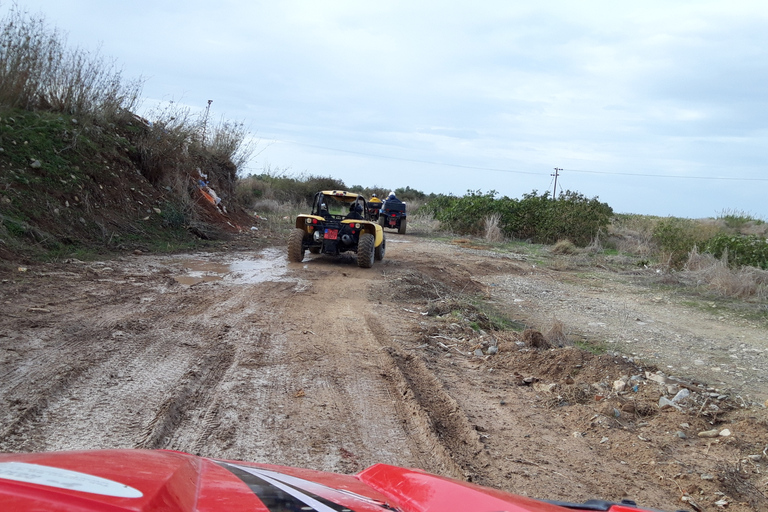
[[359, 208], [374, 195]]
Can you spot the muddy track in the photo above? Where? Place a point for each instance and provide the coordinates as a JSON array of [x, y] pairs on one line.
[[328, 366]]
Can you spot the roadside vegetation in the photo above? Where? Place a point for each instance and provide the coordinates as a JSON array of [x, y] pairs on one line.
[[82, 174], [725, 256]]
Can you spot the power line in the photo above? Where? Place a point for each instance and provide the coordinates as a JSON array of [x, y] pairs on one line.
[[514, 171], [680, 176], [414, 160]]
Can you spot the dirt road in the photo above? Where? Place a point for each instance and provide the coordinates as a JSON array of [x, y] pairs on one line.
[[240, 355]]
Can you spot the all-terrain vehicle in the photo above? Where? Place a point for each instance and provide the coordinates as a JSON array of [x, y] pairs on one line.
[[393, 215], [171, 481], [339, 222]]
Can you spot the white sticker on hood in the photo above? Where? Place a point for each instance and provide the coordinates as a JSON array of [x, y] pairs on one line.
[[65, 479]]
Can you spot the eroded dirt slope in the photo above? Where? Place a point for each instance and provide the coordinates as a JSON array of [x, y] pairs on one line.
[[332, 367]]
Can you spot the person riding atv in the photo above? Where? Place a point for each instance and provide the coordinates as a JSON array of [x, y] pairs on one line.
[[374, 207], [393, 214], [339, 222]]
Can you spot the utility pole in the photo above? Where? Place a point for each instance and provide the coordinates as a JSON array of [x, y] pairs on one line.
[[554, 190], [205, 121]]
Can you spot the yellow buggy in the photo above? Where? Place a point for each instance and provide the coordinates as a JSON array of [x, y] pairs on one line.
[[339, 222]]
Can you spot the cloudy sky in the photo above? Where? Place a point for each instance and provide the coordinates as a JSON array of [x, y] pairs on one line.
[[655, 107]]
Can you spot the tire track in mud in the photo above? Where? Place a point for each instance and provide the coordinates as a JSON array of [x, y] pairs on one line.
[[212, 412], [52, 365], [438, 428], [366, 373], [60, 341], [19, 433], [191, 391]]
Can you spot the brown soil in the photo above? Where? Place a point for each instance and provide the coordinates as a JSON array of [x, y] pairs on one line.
[[328, 366]]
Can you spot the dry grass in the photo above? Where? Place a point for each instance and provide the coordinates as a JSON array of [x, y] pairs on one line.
[[491, 228], [564, 247], [422, 223], [39, 72], [715, 274], [568, 395], [556, 334], [633, 234]]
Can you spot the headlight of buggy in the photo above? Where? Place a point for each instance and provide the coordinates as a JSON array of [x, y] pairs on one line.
[[357, 225]]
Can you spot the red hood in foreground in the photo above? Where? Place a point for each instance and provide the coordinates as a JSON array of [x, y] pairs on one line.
[[147, 480]]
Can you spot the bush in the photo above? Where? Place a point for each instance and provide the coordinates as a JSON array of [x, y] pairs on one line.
[[535, 217], [676, 238], [466, 214], [409, 194], [572, 216], [278, 185], [739, 250]]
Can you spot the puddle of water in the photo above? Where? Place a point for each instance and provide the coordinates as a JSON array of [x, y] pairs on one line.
[[267, 265]]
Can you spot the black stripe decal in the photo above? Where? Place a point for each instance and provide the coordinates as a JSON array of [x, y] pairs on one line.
[[280, 497]]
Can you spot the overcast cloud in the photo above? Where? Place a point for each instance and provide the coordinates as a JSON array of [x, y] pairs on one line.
[[655, 107]]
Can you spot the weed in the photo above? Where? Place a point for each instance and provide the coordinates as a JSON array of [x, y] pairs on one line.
[[737, 219], [592, 346], [556, 334], [727, 281], [492, 230]]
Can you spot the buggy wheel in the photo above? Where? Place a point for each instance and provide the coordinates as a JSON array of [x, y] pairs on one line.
[[401, 229], [296, 246], [365, 250], [378, 253]]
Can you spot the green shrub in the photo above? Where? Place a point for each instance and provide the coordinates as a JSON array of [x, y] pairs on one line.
[[573, 216], [741, 250], [535, 217], [676, 237], [173, 216], [466, 214]]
